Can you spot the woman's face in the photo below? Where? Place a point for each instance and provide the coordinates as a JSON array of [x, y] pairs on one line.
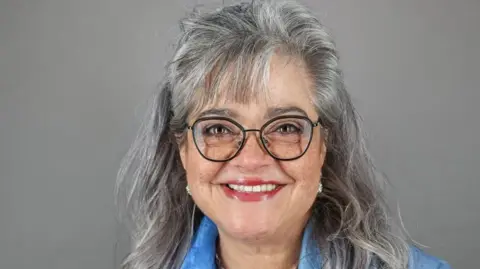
[[243, 213]]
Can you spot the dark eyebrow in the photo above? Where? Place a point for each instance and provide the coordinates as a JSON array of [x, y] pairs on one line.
[[277, 111], [223, 112]]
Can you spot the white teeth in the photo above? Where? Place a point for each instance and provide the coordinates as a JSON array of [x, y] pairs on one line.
[[256, 188]]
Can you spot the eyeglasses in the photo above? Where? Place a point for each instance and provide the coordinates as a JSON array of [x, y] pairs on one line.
[[220, 139]]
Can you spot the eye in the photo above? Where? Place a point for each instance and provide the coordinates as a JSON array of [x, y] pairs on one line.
[[288, 129], [217, 129]]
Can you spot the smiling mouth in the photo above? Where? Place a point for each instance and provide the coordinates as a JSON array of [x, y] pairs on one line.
[[251, 193], [253, 189]]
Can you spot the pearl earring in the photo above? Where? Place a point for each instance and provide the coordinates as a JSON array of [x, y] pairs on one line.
[[188, 190]]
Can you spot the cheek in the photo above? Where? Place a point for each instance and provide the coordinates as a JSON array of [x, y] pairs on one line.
[[306, 171], [199, 170]]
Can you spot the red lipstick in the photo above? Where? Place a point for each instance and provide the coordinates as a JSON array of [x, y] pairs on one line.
[[252, 189]]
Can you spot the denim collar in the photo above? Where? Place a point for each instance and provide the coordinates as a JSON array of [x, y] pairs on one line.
[[201, 254]]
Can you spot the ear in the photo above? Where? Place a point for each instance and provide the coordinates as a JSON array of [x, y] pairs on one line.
[[323, 143], [183, 154], [182, 149], [323, 151]]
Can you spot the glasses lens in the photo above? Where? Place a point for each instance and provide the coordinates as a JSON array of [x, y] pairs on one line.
[[217, 139], [287, 138]]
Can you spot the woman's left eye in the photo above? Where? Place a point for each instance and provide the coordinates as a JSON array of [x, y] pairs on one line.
[[288, 128]]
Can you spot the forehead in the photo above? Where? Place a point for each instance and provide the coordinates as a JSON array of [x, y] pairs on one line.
[[287, 84]]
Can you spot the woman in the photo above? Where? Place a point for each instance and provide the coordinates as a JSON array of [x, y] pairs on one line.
[[253, 155]]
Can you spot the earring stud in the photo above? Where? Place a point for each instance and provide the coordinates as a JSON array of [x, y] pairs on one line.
[[188, 190], [320, 188]]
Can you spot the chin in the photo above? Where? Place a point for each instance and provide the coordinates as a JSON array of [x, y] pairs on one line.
[[249, 228]]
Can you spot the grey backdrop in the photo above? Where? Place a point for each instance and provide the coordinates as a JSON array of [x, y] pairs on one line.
[[74, 76]]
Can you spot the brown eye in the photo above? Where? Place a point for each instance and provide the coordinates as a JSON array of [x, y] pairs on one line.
[[288, 129], [216, 129]]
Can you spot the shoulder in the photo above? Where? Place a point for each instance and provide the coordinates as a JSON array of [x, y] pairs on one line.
[[422, 260]]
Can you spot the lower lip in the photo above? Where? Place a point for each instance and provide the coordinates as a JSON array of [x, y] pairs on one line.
[[250, 196]]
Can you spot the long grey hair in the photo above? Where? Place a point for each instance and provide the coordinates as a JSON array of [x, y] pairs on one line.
[[352, 224]]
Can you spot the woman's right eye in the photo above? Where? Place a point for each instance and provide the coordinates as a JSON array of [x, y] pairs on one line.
[[217, 130]]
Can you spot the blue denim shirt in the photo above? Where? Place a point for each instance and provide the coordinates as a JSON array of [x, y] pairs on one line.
[[202, 252]]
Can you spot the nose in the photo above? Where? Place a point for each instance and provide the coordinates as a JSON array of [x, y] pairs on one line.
[[253, 155]]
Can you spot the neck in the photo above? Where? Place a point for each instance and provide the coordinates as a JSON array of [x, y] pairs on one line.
[[280, 253]]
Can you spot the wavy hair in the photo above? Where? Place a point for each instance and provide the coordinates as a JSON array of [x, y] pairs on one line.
[[351, 220]]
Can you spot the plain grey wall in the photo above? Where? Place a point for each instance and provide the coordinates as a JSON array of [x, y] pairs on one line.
[[73, 75]]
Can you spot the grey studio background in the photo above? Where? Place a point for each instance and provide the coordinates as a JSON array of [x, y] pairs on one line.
[[74, 76]]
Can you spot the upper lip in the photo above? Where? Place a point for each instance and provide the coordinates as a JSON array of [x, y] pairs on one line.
[[252, 181]]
